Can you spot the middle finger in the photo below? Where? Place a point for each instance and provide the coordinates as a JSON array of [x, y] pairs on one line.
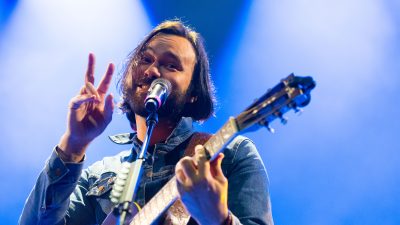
[[106, 80]]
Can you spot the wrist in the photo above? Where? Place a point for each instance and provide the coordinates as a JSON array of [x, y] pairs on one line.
[[224, 218], [71, 150], [69, 157]]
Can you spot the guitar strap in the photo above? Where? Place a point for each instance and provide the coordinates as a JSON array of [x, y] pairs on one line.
[[177, 214]]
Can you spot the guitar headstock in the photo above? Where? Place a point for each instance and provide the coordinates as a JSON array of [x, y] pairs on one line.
[[292, 93]]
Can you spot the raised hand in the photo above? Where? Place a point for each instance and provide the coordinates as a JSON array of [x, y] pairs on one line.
[[89, 114], [203, 188]]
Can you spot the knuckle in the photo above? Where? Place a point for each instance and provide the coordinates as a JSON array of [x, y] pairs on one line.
[[185, 161], [74, 103], [178, 169], [199, 180], [188, 188], [198, 147], [224, 179]]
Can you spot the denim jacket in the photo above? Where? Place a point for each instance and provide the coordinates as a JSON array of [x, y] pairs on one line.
[[66, 194]]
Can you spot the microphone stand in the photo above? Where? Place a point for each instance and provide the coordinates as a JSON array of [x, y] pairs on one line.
[[135, 172]]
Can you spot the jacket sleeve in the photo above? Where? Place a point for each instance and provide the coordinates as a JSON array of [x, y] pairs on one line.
[[58, 195], [248, 191]]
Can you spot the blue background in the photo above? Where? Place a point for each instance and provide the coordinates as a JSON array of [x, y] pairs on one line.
[[337, 163]]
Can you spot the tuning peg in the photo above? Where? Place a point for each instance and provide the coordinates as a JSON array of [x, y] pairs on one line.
[[284, 120], [270, 129], [265, 123], [298, 111]]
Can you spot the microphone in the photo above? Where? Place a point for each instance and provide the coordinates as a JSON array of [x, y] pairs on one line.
[[157, 95]]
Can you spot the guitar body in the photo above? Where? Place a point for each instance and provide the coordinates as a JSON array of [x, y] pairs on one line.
[[176, 215]]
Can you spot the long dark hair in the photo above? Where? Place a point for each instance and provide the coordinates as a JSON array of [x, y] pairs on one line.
[[201, 87]]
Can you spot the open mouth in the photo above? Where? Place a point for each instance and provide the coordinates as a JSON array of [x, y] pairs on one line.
[[143, 86]]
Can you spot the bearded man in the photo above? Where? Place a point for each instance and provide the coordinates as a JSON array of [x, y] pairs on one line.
[[66, 194]]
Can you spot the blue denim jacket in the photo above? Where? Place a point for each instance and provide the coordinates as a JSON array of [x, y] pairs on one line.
[[66, 194]]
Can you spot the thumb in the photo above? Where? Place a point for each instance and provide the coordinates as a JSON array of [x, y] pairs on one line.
[[216, 169]]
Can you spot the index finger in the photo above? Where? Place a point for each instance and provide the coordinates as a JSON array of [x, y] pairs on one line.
[[89, 77], [202, 161], [106, 80]]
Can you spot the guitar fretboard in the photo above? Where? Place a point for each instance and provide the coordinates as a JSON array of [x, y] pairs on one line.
[[169, 193]]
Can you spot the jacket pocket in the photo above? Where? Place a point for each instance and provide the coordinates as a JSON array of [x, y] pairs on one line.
[[102, 185]]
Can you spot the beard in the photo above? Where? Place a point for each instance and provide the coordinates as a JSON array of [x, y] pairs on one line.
[[172, 109]]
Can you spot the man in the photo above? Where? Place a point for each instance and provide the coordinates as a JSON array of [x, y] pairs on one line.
[[66, 194]]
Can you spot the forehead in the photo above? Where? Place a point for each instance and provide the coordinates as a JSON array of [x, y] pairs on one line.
[[167, 44]]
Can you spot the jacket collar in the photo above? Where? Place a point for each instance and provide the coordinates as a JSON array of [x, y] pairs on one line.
[[182, 131]]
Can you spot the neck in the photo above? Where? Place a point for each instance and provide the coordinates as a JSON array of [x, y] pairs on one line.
[[161, 131]]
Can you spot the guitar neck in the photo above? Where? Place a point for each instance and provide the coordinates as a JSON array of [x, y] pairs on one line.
[[169, 193]]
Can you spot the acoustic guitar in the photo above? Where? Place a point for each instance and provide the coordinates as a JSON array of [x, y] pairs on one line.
[[292, 93]]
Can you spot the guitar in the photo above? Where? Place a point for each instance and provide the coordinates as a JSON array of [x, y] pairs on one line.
[[292, 93]]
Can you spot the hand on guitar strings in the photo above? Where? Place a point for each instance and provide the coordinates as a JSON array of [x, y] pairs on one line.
[[203, 188]]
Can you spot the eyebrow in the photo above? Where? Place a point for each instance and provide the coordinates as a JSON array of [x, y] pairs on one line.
[[168, 54]]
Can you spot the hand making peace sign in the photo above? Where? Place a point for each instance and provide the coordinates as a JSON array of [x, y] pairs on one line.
[[89, 114]]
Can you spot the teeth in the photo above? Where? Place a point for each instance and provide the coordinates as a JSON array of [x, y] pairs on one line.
[[143, 87]]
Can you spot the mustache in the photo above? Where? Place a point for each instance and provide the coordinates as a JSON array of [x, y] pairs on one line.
[[144, 81]]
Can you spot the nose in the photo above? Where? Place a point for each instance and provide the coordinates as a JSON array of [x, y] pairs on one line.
[[152, 71]]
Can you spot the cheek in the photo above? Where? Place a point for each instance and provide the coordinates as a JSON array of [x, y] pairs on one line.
[[128, 82], [184, 80], [141, 69], [187, 82], [180, 85], [135, 75]]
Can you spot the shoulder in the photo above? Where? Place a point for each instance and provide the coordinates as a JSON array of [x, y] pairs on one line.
[[241, 153], [240, 147], [110, 164]]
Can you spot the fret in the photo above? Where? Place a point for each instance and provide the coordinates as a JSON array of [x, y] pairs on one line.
[[221, 137], [165, 197], [267, 107], [146, 215], [141, 218]]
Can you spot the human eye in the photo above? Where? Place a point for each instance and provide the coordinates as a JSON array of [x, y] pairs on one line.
[[171, 66], [145, 59]]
